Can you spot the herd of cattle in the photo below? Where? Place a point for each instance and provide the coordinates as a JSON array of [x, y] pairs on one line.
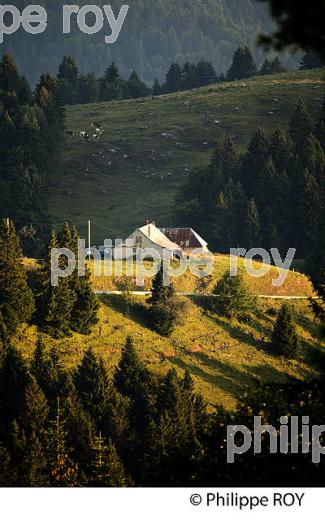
[[94, 135]]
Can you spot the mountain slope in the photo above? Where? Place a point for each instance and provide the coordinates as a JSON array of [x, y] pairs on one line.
[[154, 34], [149, 145]]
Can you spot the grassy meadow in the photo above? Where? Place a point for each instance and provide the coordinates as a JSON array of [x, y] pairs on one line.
[[149, 146]]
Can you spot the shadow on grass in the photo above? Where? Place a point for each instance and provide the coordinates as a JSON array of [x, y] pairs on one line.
[[229, 379], [134, 310]]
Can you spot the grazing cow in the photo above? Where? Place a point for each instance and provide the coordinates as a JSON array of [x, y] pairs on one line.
[[84, 136], [98, 126]]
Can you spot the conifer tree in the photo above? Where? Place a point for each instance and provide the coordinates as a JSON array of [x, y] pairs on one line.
[[176, 447], [16, 298], [243, 65], [107, 467], [14, 381], [223, 167], [277, 67], [9, 77], [8, 477], [50, 374], [173, 79], [133, 381], [63, 471], [300, 126], [233, 297], [310, 60], [266, 68], [84, 312], [320, 127], [93, 386], [55, 303], [285, 340], [156, 89], [68, 70], [258, 153], [80, 431], [253, 226], [30, 441], [160, 293]]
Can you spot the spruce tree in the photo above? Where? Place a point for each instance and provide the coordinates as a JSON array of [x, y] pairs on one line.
[[173, 79], [30, 440], [8, 476], [133, 381], [160, 292], [63, 471], [253, 226], [55, 303], [68, 70], [320, 127], [156, 89], [310, 60], [84, 312], [93, 386], [107, 467], [165, 309], [257, 154], [14, 381], [266, 68], [223, 167], [300, 126], [175, 444], [277, 67], [9, 77], [16, 298], [243, 65], [233, 297], [80, 430], [285, 340], [50, 374]]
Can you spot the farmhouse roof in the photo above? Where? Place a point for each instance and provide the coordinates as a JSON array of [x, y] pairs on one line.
[[157, 237], [185, 237]]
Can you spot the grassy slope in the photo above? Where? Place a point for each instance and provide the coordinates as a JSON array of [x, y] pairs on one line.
[[295, 284], [223, 356], [133, 172]]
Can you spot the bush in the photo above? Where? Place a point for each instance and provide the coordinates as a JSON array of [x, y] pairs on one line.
[[164, 317], [233, 297]]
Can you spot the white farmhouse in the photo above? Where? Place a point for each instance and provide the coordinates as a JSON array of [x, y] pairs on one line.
[[147, 237]]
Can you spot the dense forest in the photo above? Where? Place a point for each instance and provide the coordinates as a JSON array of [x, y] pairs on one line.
[[84, 429], [154, 34], [271, 196], [32, 130]]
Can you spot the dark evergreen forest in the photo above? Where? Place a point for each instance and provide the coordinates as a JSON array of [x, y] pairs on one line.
[[154, 34]]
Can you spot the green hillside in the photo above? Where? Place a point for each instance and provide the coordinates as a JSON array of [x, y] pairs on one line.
[[224, 356], [149, 145]]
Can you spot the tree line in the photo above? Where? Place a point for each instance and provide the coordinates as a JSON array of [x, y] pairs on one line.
[[270, 196], [29, 296], [74, 88], [79, 428], [31, 136]]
